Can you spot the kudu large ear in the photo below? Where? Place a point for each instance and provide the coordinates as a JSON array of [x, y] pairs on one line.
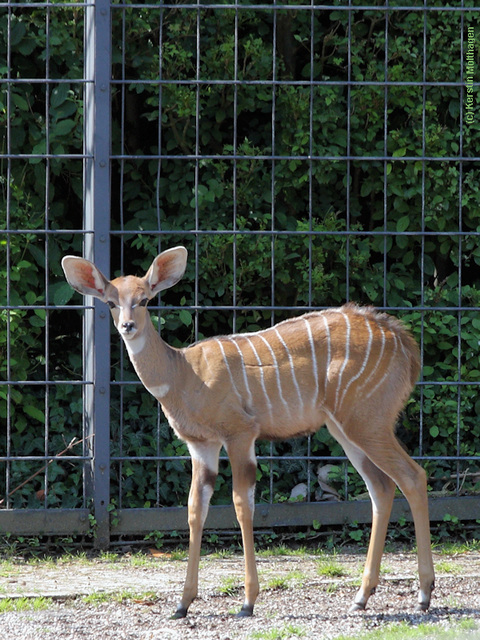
[[167, 269], [84, 277]]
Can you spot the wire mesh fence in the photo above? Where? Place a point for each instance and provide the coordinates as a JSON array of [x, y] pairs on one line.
[[41, 167], [305, 154]]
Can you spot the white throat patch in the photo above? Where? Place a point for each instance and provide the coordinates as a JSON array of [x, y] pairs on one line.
[[160, 391], [134, 345]]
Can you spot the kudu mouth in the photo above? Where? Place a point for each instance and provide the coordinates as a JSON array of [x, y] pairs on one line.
[[128, 329]]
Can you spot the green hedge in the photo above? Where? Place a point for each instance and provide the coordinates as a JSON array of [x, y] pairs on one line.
[[239, 189]]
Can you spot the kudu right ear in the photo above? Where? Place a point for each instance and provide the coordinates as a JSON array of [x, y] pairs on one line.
[[84, 277]]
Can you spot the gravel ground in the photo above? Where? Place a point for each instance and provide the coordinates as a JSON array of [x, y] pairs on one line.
[[296, 599]]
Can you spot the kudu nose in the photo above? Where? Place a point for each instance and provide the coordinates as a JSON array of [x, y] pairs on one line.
[[128, 326]]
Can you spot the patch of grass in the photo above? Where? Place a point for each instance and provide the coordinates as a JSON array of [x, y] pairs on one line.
[[140, 560], [24, 604], [447, 566], [330, 568], [277, 584], [274, 552], [101, 597], [44, 561], [468, 625], [289, 631], [222, 553], [110, 557], [98, 597], [298, 577], [466, 630], [65, 558], [332, 587], [179, 554], [8, 568], [287, 581], [229, 587], [79, 557], [384, 569], [456, 548], [282, 550]]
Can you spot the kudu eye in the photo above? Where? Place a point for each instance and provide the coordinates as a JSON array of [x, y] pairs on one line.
[[143, 303], [111, 304]]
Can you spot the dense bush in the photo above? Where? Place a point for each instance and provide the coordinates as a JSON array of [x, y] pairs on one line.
[[339, 167]]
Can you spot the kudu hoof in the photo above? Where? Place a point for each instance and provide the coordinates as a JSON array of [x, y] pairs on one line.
[[356, 606], [180, 613], [246, 611]]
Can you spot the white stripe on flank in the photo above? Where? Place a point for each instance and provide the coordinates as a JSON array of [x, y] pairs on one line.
[[314, 361], [377, 364], [244, 372], [387, 370], [277, 373], [228, 368], [204, 356], [329, 353], [365, 361], [262, 378], [292, 367], [345, 360], [404, 351]]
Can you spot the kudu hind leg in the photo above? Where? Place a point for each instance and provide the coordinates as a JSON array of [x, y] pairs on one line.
[[381, 490], [204, 474], [412, 481], [241, 452], [389, 456]]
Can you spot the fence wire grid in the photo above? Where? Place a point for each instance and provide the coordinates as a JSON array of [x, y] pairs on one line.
[[306, 155]]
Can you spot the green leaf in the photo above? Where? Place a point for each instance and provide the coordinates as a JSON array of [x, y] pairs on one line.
[[39, 149], [403, 223], [400, 153], [59, 95], [185, 317], [17, 32], [63, 127], [356, 535], [20, 102], [434, 431], [371, 291], [27, 46], [35, 413], [62, 293]]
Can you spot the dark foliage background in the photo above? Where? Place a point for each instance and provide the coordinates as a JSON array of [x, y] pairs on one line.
[[402, 195]]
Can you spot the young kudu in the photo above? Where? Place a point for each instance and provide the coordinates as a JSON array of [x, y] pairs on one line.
[[350, 368]]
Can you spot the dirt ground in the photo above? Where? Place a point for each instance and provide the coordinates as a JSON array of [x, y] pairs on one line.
[[297, 599]]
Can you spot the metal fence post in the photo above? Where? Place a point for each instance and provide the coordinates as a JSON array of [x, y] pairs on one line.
[[97, 249]]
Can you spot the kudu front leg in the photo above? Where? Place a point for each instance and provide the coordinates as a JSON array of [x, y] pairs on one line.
[[241, 452], [204, 475]]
